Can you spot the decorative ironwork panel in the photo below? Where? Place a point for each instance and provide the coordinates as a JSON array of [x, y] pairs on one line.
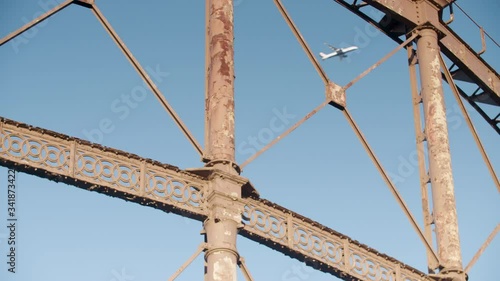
[[183, 192], [306, 240], [107, 169], [51, 155], [265, 222], [324, 247], [83, 164], [41, 152], [363, 264]]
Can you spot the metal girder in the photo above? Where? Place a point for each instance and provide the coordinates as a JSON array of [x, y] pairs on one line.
[[472, 64], [414, 14], [93, 167], [319, 246], [467, 118], [394, 25], [494, 121]]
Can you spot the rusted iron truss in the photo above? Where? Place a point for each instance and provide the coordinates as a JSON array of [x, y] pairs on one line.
[[419, 140], [402, 17], [193, 193], [336, 96], [93, 167]]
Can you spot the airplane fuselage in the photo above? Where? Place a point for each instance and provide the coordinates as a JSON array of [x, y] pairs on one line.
[[339, 52]]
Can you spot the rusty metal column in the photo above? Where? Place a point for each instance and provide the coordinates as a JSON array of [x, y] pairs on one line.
[[221, 226], [440, 171], [219, 104]]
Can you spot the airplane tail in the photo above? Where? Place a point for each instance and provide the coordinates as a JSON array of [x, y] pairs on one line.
[[323, 55]]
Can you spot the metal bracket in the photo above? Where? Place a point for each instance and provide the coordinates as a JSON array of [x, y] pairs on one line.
[[336, 94], [84, 3], [452, 16]]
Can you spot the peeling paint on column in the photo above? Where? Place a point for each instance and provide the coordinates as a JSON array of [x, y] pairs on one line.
[[224, 270], [221, 227], [440, 170], [220, 96]]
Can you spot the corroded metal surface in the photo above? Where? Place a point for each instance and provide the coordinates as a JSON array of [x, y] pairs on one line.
[[219, 104], [436, 130], [224, 219], [90, 166], [420, 139], [320, 246], [217, 199]]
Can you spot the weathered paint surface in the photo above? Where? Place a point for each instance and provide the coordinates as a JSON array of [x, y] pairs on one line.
[[224, 269], [221, 233], [440, 170], [221, 226], [219, 103]]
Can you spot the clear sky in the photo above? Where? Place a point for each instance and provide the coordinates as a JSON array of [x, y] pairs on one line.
[[67, 75]]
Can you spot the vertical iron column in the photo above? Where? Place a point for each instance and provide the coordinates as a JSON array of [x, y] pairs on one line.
[[440, 171], [219, 103], [221, 226]]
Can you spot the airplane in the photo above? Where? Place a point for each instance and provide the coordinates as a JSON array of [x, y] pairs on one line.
[[340, 52]]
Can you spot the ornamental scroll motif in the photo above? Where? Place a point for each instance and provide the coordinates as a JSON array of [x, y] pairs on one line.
[[285, 229], [361, 263], [265, 222], [326, 248], [94, 165], [183, 192], [104, 169], [42, 152]]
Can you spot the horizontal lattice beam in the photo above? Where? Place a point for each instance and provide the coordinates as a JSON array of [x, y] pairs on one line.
[[94, 167], [61, 158], [319, 246]]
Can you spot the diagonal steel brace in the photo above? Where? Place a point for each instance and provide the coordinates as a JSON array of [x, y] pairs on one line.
[[152, 86], [36, 21]]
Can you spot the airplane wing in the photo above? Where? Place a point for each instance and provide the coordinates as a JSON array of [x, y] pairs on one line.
[[334, 48]]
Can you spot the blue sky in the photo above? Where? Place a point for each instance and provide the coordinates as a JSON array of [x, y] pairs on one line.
[[67, 75]]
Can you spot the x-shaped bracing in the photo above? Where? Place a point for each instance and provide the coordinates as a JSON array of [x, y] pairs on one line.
[[119, 174]]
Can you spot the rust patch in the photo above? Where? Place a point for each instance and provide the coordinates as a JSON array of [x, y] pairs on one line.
[[220, 93]]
